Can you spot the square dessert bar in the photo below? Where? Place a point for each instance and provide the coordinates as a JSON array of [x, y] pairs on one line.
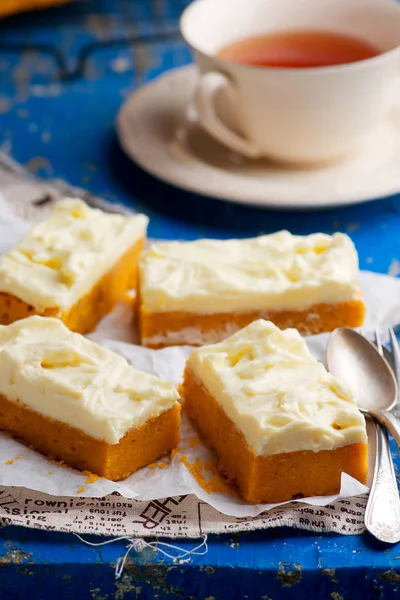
[[75, 401], [200, 292], [282, 427], [75, 265]]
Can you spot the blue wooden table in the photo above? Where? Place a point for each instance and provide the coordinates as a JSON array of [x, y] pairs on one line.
[[63, 75]]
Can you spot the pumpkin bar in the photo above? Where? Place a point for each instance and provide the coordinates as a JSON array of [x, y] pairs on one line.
[[75, 265], [201, 292], [77, 402], [14, 6], [282, 426]]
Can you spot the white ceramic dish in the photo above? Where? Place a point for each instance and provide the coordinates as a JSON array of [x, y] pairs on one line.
[[159, 132]]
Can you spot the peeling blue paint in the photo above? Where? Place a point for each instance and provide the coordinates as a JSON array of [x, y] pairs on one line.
[[289, 574], [263, 567], [391, 576], [66, 129]]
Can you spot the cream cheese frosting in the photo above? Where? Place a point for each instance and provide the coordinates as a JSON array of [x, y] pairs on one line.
[[64, 376], [280, 271], [62, 257], [277, 393]]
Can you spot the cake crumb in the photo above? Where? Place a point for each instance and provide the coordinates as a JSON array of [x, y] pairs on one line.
[[9, 462], [17, 457], [91, 477], [50, 473], [194, 441], [174, 452], [82, 489], [60, 463], [158, 465], [198, 465], [215, 483]]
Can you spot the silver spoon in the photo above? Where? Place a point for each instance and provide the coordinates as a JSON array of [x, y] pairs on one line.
[[368, 376]]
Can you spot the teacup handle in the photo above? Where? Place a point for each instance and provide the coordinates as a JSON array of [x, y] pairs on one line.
[[209, 85]]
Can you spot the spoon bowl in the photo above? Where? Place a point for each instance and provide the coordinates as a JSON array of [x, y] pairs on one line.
[[371, 381], [368, 376]]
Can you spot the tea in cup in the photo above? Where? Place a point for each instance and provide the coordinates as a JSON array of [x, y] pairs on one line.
[[304, 82]]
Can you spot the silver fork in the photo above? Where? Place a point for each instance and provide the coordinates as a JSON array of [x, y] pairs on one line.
[[393, 358], [382, 514]]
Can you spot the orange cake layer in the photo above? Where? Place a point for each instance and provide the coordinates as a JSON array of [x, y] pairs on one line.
[[273, 478], [138, 448], [75, 265], [83, 316], [158, 330], [81, 403], [200, 292]]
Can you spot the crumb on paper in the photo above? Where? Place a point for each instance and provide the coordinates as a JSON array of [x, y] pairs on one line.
[[17, 457], [91, 477], [50, 473], [81, 490], [174, 452], [60, 463], [206, 474], [9, 462], [158, 465], [194, 441]]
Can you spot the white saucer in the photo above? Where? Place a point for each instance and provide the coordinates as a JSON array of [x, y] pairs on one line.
[[157, 130]]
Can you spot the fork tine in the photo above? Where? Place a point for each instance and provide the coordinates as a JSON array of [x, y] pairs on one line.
[[378, 342], [394, 345]]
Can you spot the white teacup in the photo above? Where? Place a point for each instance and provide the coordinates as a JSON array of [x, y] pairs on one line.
[[307, 116]]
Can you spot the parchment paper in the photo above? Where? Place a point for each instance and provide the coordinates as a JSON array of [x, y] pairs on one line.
[[169, 477]]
